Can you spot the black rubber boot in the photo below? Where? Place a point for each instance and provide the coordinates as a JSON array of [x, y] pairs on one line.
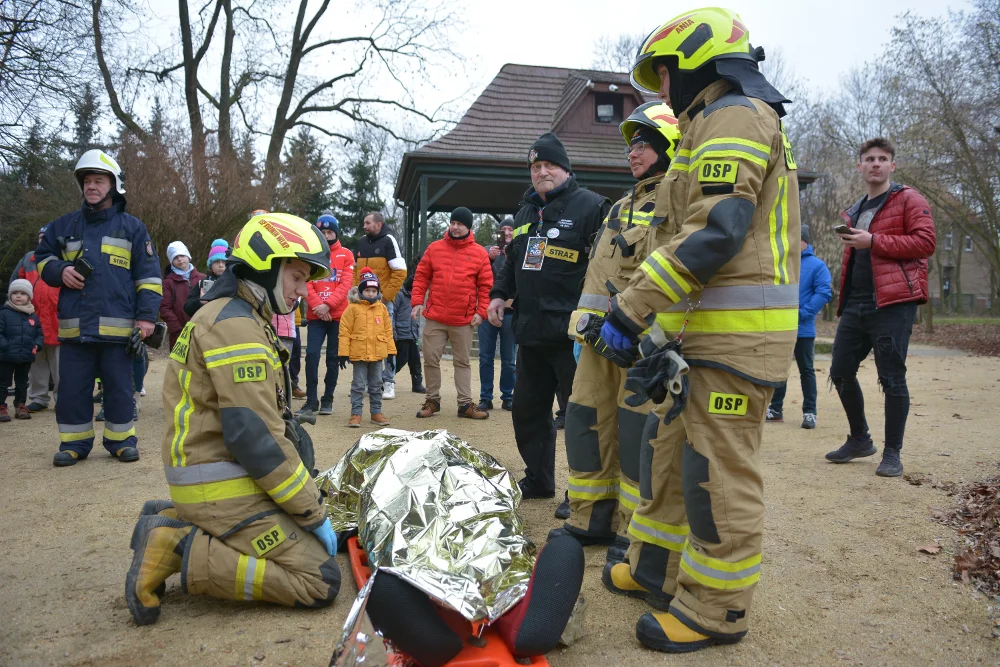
[[563, 511], [852, 449], [616, 552], [891, 466]]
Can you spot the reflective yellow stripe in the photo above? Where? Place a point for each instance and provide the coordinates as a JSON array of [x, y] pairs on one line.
[[233, 354], [663, 535], [73, 332], [628, 495], [732, 321], [784, 216], [152, 288], [241, 577], [115, 250], [523, 229], [258, 579], [118, 436], [650, 271], [593, 489], [182, 419], [215, 491], [777, 223], [42, 263], [658, 268], [719, 574], [73, 437], [118, 332], [287, 489]]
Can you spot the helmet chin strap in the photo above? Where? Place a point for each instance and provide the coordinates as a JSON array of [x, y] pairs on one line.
[[276, 291], [95, 205]]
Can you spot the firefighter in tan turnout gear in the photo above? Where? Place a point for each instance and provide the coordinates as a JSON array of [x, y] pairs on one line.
[[603, 433], [730, 274], [247, 521]]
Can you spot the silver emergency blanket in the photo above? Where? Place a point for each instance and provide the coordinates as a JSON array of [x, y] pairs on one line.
[[439, 514]]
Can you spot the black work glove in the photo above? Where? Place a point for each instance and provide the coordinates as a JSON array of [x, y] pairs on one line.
[[620, 358], [133, 347], [649, 377], [343, 362]]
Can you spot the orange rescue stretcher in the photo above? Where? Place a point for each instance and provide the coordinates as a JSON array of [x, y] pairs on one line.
[[491, 650]]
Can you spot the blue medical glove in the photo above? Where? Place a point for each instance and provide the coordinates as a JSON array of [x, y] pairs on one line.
[[614, 338], [577, 348], [324, 533]]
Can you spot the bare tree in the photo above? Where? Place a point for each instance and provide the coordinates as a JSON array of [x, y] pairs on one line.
[[616, 54]]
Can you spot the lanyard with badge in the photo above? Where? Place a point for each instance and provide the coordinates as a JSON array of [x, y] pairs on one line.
[[534, 255]]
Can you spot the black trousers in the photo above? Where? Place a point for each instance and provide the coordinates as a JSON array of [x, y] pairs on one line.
[[407, 352], [864, 328], [541, 372], [18, 372]]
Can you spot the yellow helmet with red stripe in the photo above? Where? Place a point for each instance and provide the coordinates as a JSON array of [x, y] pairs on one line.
[[270, 236], [656, 116]]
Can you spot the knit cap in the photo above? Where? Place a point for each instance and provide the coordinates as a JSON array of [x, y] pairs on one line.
[[218, 252], [20, 285], [806, 234], [368, 279], [548, 147], [177, 248], [462, 216]]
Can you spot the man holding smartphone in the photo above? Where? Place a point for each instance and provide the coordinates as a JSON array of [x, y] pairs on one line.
[[889, 236], [103, 259]]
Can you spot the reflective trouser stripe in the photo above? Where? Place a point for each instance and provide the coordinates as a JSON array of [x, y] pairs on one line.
[[719, 574], [249, 578], [115, 326], [593, 489], [182, 419], [201, 473], [658, 268], [118, 432], [628, 495], [598, 302], [234, 354], [287, 489], [732, 321], [74, 432], [661, 534], [743, 297], [69, 328], [776, 226], [215, 491]]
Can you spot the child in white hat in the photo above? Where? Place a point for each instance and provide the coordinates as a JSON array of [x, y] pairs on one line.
[[20, 338]]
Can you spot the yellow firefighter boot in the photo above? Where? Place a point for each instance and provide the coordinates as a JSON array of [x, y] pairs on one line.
[[665, 632], [158, 553], [617, 578]]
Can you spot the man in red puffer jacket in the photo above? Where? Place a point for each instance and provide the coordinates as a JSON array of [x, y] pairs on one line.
[[890, 235], [453, 279], [46, 363]]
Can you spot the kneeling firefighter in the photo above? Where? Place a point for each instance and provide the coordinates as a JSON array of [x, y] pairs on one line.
[[246, 520], [727, 285], [603, 433]]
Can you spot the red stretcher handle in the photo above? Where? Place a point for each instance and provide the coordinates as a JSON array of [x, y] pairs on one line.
[[494, 654]]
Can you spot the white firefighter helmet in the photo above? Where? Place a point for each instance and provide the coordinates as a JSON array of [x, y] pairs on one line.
[[98, 160]]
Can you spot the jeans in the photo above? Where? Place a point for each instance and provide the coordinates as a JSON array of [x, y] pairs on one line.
[[45, 366], [488, 335], [367, 376], [389, 374], [864, 328], [318, 330], [804, 358]]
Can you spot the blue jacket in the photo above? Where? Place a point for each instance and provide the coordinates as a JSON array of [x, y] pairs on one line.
[[20, 336], [125, 283], [814, 291], [404, 327]]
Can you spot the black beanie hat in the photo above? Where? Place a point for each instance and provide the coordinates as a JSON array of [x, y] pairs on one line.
[[653, 138], [806, 235], [549, 148], [462, 215]]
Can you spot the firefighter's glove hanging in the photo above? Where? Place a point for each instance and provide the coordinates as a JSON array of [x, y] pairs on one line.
[[661, 372], [134, 345]]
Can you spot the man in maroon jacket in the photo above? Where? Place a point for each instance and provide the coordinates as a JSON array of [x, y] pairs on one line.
[[890, 235]]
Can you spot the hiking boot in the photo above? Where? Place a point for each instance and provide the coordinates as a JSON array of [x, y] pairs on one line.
[[773, 416], [127, 454], [66, 458], [380, 419], [485, 405], [665, 632], [852, 448], [430, 407], [354, 421], [808, 420], [584, 540], [617, 550], [507, 405], [309, 407], [560, 422], [4, 415], [388, 390], [563, 511], [326, 406], [22, 413], [891, 466], [617, 578], [99, 417], [418, 386], [159, 549], [539, 619], [530, 492], [470, 411], [35, 406], [298, 393]]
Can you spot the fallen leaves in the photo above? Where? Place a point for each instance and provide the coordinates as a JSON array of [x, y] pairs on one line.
[[977, 520], [931, 549]]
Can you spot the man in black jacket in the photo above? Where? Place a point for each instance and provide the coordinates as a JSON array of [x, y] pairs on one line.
[[547, 261]]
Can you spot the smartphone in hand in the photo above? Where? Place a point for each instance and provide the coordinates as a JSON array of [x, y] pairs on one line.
[[842, 229]]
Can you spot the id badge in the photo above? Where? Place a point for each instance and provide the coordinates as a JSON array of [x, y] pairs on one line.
[[534, 256]]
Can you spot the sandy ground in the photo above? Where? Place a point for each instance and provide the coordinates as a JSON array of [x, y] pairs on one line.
[[842, 580]]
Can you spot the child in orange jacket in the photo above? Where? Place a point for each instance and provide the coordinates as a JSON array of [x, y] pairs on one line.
[[365, 341]]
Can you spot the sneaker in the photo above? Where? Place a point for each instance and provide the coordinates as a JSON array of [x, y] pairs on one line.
[[530, 492], [310, 407], [326, 406], [4, 415], [354, 421], [485, 405], [563, 511], [470, 411], [298, 393], [388, 390], [774, 416], [142, 392], [891, 466], [35, 406], [67, 458], [853, 448], [507, 405], [380, 419], [808, 420], [430, 407], [99, 417], [22, 413]]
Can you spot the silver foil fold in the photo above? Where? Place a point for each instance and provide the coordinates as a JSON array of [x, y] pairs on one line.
[[438, 513]]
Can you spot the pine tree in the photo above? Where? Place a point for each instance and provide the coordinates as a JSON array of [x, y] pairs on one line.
[[87, 110], [306, 180], [358, 194]]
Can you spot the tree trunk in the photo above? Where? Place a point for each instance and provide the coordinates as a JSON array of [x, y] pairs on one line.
[[226, 149], [199, 165]]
